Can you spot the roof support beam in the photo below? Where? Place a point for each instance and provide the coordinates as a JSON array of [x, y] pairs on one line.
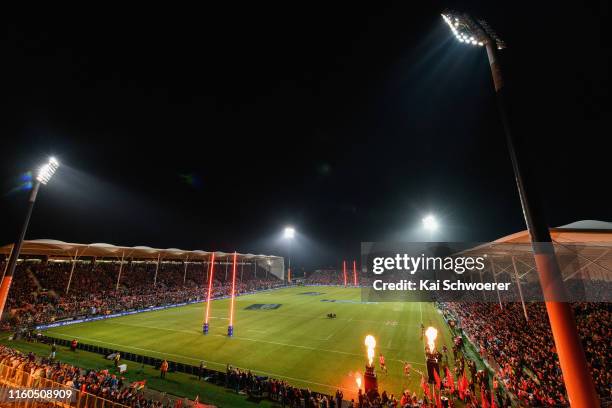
[[73, 260], [495, 280], [185, 273], [520, 291], [156, 269], [120, 269]]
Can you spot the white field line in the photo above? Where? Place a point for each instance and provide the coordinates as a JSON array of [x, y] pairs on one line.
[[421, 310], [257, 331], [276, 343], [293, 315], [309, 317], [326, 338]]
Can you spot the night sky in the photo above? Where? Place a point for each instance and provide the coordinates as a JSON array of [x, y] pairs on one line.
[[214, 128]]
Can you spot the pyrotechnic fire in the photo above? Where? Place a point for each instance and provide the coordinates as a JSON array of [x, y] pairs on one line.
[[358, 380], [370, 343], [431, 333]]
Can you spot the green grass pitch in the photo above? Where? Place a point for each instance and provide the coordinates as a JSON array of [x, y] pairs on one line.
[[295, 342]]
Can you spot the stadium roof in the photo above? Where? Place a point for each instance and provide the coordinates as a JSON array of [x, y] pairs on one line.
[[596, 235], [59, 249], [586, 231], [587, 243]]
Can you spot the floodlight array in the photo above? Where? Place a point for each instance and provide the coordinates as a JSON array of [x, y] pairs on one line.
[[467, 31], [47, 171]]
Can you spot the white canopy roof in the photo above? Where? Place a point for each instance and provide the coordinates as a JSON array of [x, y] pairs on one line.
[[581, 244], [60, 249]]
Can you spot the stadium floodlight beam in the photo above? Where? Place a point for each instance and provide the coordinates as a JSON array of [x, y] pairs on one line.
[[430, 223], [289, 235], [45, 173], [578, 380]]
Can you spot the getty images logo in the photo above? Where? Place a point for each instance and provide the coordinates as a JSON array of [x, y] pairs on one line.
[[412, 264]]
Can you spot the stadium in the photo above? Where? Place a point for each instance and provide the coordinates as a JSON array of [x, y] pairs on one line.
[[150, 305], [387, 205]]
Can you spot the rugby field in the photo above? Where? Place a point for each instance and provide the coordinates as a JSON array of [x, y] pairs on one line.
[[294, 341]]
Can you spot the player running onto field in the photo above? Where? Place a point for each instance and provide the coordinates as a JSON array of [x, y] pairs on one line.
[[407, 368], [381, 361]]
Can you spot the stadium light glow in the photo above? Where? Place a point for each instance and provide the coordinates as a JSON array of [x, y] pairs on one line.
[[355, 273], [289, 233], [344, 271], [46, 171], [230, 328], [370, 343], [209, 294], [431, 333], [430, 223], [470, 31]]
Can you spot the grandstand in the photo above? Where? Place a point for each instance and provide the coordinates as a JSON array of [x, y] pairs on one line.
[[59, 280]]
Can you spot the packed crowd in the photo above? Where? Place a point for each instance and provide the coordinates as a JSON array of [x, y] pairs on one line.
[[244, 381], [325, 277], [28, 370], [336, 277], [524, 353], [457, 382], [38, 293]]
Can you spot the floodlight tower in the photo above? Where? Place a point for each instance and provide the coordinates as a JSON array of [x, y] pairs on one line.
[[45, 172], [578, 380], [289, 235]]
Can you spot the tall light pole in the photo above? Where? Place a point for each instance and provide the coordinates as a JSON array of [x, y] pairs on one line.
[[289, 235], [578, 380], [45, 173]]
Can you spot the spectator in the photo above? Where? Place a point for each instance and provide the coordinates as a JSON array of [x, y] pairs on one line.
[[163, 369]]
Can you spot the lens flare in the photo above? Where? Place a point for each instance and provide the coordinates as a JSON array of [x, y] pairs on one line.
[[430, 223], [289, 233], [431, 333], [370, 343]]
